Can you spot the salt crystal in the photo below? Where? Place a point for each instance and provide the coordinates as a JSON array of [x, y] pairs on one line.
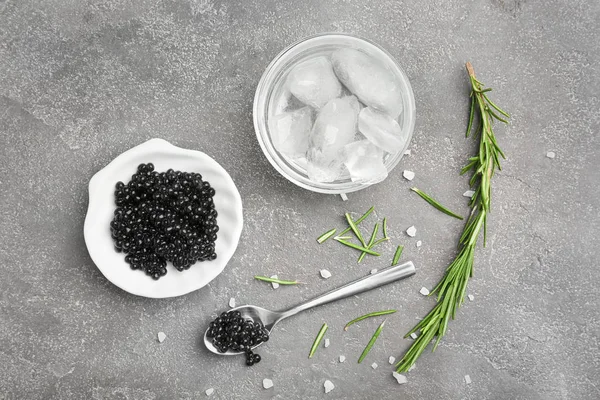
[[267, 383], [471, 297], [469, 193], [400, 378], [344, 197], [374, 365], [392, 359], [232, 302], [328, 386], [326, 342], [419, 243], [209, 391], [550, 154], [325, 274], [342, 359], [407, 152], [161, 337], [413, 335], [408, 175], [274, 284], [467, 379], [424, 291], [373, 271], [412, 231]]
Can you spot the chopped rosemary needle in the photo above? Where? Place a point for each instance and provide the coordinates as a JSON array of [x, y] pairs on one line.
[[397, 255], [275, 280], [371, 342], [371, 241], [435, 204], [385, 235], [318, 340], [357, 247], [355, 229], [326, 236], [342, 233], [369, 315]]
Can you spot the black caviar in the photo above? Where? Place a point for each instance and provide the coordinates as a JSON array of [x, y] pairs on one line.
[[164, 216], [230, 331]]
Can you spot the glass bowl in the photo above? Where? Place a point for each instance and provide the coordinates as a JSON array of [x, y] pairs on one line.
[[271, 90]]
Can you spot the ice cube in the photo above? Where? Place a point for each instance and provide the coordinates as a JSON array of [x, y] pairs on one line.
[[367, 78], [382, 130], [313, 82], [365, 162], [334, 128], [290, 132]]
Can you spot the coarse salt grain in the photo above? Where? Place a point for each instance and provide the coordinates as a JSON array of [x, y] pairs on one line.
[[400, 378], [407, 152], [412, 231], [232, 302], [550, 154], [342, 359], [209, 391], [329, 386], [373, 271], [161, 337], [467, 379], [408, 175], [274, 284], [326, 342], [325, 274], [471, 297], [469, 193], [374, 365], [419, 243], [392, 359], [413, 335], [424, 291], [267, 383]]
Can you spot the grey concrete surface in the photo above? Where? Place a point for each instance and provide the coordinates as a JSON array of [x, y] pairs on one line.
[[82, 81]]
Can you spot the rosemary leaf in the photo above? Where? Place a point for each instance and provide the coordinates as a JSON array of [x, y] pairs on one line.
[[326, 235], [371, 342], [357, 247], [355, 229], [369, 315], [274, 280], [318, 340], [397, 255], [435, 204], [385, 235], [371, 241], [358, 221]]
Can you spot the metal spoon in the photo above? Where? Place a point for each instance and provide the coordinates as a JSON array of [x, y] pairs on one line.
[[270, 318]]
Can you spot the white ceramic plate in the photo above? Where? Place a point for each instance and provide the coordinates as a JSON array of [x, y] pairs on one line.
[[102, 205]]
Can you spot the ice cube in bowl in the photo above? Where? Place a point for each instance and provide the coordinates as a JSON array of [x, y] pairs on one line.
[[276, 83]]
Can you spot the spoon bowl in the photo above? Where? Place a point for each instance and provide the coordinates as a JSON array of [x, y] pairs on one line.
[[270, 318]]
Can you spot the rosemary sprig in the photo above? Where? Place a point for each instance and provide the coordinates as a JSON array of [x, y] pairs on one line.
[[357, 247], [434, 203], [451, 289], [371, 342], [397, 255], [275, 280], [369, 315], [371, 240], [318, 340], [326, 235]]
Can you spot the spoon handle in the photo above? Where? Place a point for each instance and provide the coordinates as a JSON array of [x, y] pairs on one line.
[[383, 277]]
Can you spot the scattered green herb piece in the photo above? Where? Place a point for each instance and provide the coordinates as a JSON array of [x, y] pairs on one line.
[[369, 315], [343, 237], [275, 280], [397, 255], [371, 241], [434, 203], [371, 342], [355, 229], [318, 340], [451, 289], [385, 239], [358, 221], [357, 247], [326, 236], [385, 235]]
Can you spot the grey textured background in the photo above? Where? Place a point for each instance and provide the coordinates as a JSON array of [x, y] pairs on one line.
[[82, 81]]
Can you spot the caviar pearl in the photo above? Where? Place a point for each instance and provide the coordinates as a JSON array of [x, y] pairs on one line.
[[166, 216]]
